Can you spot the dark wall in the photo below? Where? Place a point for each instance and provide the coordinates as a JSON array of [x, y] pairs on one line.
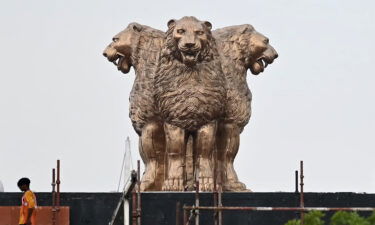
[[85, 208], [159, 208]]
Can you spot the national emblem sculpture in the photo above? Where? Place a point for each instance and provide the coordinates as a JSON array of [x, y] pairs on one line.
[[190, 100]]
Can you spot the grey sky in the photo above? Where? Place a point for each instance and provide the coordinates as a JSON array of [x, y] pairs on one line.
[[60, 98]]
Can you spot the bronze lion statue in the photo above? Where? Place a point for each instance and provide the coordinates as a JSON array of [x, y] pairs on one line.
[[190, 95], [190, 100], [139, 46], [241, 48]]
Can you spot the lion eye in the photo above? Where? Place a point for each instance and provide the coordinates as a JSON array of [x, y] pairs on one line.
[[199, 32], [180, 31], [115, 39]]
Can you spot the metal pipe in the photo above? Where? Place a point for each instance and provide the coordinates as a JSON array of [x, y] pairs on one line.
[[53, 187], [58, 192], [178, 206], [296, 181], [58, 185], [197, 196], [53, 197], [135, 201], [139, 193], [305, 209], [215, 193], [220, 204], [215, 204], [185, 215], [302, 200], [134, 207]]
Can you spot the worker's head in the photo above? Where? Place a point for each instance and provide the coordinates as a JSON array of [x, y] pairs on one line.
[[24, 184]]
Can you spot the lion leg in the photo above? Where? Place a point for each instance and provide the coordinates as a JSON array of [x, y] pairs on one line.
[[175, 141], [152, 142], [231, 144], [189, 165], [221, 154], [204, 147]]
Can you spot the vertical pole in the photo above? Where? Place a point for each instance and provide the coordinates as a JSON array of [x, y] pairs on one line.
[[58, 185], [178, 213], [302, 201], [220, 204], [134, 207], [220, 200], [215, 187], [296, 181], [298, 213], [58, 192], [53, 197], [215, 204], [185, 216], [139, 193], [197, 196]]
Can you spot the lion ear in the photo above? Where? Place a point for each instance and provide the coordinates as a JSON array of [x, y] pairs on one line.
[[171, 23], [137, 27], [247, 27], [208, 25]]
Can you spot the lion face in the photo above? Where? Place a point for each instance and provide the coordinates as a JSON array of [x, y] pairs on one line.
[[190, 38], [120, 50], [261, 53]]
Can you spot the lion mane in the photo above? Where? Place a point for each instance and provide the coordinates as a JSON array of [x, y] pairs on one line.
[[139, 46], [233, 43], [171, 52], [146, 55], [189, 97]]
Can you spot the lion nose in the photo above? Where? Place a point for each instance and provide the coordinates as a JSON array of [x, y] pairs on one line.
[[189, 45], [105, 54], [276, 55]]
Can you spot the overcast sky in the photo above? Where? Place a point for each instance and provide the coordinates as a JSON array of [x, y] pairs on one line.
[[61, 99]]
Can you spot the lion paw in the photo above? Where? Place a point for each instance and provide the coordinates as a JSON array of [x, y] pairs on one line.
[[235, 185], [206, 184], [147, 185], [173, 184], [148, 178]]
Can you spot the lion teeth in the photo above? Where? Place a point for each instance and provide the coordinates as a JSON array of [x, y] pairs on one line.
[[117, 61]]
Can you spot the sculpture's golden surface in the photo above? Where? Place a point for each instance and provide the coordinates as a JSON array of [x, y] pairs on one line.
[[189, 83], [241, 48], [190, 95], [190, 100], [139, 46]]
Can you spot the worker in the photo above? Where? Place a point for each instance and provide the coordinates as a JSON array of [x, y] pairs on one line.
[[28, 212]]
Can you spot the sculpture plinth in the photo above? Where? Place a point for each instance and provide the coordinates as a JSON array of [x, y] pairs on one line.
[[190, 100]]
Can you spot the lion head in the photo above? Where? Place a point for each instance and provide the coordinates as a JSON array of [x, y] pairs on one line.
[[261, 53], [189, 41], [122, 47], [243, 43]]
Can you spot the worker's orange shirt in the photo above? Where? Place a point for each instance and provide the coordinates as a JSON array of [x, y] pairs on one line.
[[28, 202]]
